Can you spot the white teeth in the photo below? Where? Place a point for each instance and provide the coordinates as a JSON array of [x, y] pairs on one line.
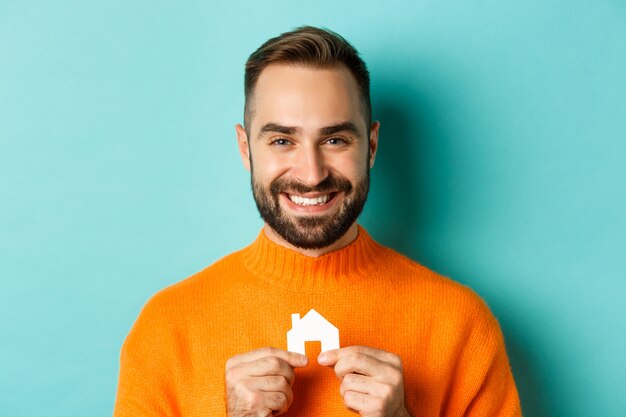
[[303, 201]]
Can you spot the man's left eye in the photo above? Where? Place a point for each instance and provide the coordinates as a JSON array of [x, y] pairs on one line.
[[335, 141]]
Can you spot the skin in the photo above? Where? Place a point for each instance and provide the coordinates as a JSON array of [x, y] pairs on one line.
[[372, 381], [259, 382], [307, 100]]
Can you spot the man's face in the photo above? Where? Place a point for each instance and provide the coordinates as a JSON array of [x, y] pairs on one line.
[[309, 151]]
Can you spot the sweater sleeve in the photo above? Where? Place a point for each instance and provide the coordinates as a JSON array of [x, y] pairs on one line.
[[484, 384], [146, 385]]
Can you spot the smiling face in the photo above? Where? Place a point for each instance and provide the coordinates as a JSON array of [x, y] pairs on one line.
[[309, 151]]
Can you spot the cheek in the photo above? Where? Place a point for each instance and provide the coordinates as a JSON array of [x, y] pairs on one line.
[[266, 168], [353, 167]]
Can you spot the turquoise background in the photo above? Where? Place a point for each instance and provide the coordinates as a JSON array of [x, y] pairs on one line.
[[501, 164]]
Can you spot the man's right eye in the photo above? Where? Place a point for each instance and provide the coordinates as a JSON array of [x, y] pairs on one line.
[[280, 142]]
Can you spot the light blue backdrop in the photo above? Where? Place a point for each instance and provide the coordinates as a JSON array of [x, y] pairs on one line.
[[502, 165]]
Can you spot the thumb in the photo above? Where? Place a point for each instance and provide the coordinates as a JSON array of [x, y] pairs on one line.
[[329, 357], [296, 360]]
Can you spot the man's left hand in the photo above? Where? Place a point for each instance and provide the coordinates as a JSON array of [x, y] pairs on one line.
[[372, 381]]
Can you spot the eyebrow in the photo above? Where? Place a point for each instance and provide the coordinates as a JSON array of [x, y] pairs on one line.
[[276, 128], [341, 127], [327, 130]]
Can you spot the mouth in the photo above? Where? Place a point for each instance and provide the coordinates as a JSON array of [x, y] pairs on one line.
[[311, 203], [314, 200]]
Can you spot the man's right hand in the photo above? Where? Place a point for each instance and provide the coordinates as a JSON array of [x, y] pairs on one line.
[[258, 383]]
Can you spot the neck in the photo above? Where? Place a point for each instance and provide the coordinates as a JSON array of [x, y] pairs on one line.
[[344, 240]]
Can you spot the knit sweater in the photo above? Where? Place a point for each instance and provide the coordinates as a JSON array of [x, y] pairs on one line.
[[452, 349]]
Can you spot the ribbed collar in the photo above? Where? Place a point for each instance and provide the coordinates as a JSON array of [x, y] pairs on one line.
[[330, 272]]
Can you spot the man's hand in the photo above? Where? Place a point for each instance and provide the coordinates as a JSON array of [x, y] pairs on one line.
[[372, 382], [258, 383]]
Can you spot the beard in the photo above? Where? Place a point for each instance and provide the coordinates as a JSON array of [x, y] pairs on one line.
[[314, 231]]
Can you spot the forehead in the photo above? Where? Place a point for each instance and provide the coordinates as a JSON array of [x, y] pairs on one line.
[[307, 97]]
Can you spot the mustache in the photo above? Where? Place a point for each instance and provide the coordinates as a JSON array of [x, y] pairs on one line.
[[330, 183]]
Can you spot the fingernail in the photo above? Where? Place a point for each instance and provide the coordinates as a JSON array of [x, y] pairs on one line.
[[304, 360], [322, 359]]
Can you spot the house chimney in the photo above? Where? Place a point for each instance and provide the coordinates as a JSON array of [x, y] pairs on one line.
[[295, 318]]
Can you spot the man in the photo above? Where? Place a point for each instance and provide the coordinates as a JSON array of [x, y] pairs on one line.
[[413, 343]]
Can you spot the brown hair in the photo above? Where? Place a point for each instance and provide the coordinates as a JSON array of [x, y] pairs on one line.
[[307, 46]]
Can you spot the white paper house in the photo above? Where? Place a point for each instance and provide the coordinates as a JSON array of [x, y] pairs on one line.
[[312, 327]]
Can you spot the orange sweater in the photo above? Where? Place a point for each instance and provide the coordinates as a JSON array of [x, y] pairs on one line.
[[453, 354]]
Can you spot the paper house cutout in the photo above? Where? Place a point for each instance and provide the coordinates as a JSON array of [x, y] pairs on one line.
[[310, 328]]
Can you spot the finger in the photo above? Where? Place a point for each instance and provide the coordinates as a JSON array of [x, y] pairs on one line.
[[262, 367], [363, 364], [366, 385], [269, 366], [357, 383], [269, 383], [358, 401], [292, 358], [330, 357], [260, 395], [276, 401]]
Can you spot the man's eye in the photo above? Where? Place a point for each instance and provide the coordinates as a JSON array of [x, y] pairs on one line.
[[280, 142], [336, 141]]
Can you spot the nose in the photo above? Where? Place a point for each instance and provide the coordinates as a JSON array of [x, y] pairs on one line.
[[309, 166]]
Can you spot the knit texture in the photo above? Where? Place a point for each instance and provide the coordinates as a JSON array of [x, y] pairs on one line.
[[452, 349]]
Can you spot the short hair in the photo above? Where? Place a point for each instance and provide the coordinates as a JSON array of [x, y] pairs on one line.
[[310, 47]]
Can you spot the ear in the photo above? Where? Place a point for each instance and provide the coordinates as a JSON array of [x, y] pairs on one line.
[[374, 142], [244, 150]]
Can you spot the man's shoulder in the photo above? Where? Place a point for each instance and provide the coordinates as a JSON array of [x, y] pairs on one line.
[[413, 276], [403, 267], [184, 301], [199, 286]]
